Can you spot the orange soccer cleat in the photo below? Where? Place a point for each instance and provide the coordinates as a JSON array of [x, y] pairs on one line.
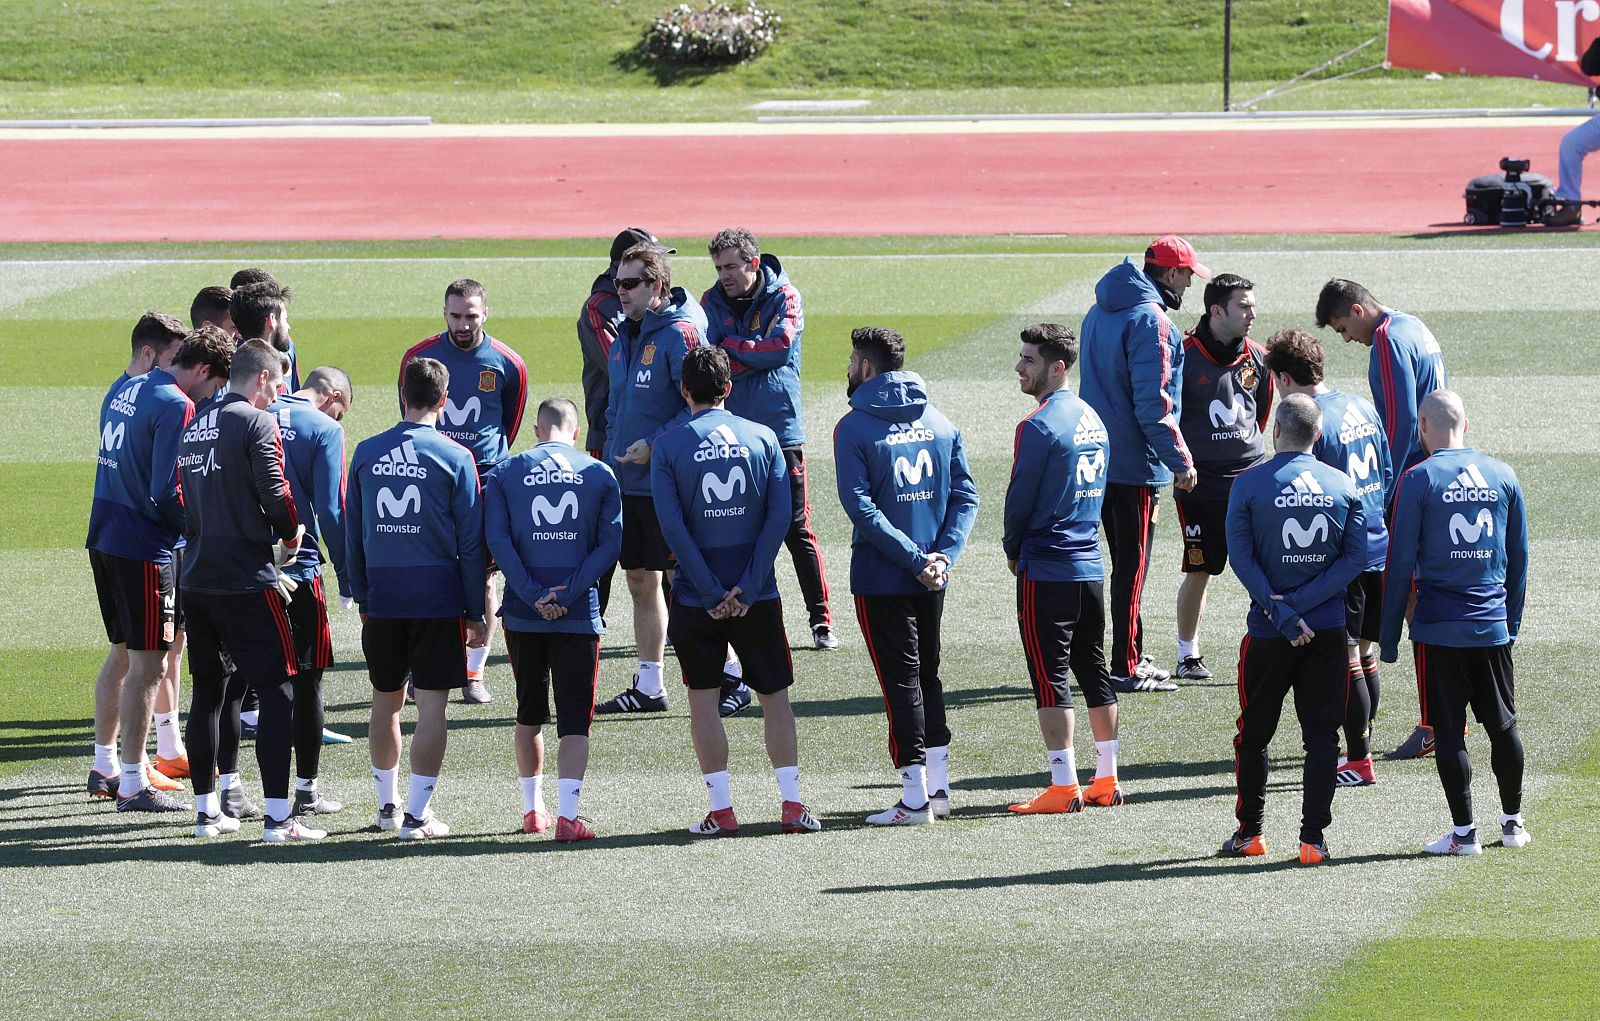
[[1053, 800], [1104, 791], [159, 780], [176, 768]]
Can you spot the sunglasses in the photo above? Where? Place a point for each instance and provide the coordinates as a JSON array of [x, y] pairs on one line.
[[629, 283]]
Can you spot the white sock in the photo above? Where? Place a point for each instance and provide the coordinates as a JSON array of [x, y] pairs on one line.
[[788, 782], [567, 791], [168, 746], [227, 781], [733, 668], [1504, 819], [302, 784], [132, 779], [1105, 758], [476, 658], [1462, 831], [717, 788], [388, 786], [914, 786], [1063, 768], [208, 804], [1188, 650], [938, 768], [105, 759], [251, 716], [649, 682], [419, 794], [532, 793], [277, 809]]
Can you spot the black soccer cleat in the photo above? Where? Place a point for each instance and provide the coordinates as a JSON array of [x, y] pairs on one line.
[[149, 800], [633, 701], [735, 697]]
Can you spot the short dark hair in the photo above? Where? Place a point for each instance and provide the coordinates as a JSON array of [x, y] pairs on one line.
[[1296, 354], [252, 304], [737, 239], [327, 377], [656, 267], [1336, 298], [1299, 418], [254, 357], [209, 346], [558, 411], [254, 275], [464, 288], [706, 374], [157, 330], [211, 305], [883, 347], [1056, 342], [424, 384], [1220, 290]]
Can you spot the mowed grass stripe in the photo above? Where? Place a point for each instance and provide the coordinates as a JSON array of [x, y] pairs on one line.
[[1000, 902]]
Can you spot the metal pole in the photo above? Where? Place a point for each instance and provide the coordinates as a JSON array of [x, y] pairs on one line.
[[1227, 54]]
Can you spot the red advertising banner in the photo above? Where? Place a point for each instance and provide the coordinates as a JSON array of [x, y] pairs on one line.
[[1540, 39]]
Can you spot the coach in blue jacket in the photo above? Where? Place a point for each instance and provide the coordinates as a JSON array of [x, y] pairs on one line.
[[1132, 375], [904, 484]]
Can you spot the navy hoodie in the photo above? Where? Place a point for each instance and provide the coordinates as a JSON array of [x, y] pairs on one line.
[[762, 338], [645, 368], [904, 483]]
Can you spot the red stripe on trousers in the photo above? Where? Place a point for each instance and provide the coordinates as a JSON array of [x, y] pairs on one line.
[[1422, 682], [872, 651], [285, 634], [1136, 598], [1238, 797]]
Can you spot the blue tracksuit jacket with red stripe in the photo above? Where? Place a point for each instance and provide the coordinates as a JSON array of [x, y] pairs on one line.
[[1406, 366], [1058, 473], [762, 338]]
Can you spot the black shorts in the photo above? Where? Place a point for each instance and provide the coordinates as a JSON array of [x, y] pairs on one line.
[[308, 617], [1451, 679], [701, 645], [644, 548], [177, 588], [138, 601], [246, 633], [1063, 625], [1205, 535], [1363, 607], [567, 663], [433, 650]]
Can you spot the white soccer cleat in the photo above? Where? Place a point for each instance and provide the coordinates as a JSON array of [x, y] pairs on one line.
[[389, 818], [423, 829], [899, 815], [214, 825], [939, 804], [1514, 834], [1451, 843], [289, 831]]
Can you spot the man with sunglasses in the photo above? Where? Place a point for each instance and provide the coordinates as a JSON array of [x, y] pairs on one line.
[[660, 324]]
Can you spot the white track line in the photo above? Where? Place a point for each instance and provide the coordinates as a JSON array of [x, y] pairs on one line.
[[877, 257]]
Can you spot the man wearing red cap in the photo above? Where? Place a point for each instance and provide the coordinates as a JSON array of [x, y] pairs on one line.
[[1131, 374]]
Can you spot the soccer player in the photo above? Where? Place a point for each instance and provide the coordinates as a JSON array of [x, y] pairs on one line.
[[1351, 441], [1406, 365], [1297, 538], [1227, 397], [313, 456], [1131, 374], [213, 306], [597, 328], [482, 412], [134, 522], [259, 308], [1052, 545], [755, 314], [414, 541], [1460, 536], [720, 486], [904, 484], [235, 594], [660, 324], [553, 521]]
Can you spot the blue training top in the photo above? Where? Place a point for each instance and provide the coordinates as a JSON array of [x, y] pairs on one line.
[[1058, 476], [1352, 441], [553, 517], [414, 526], [1406, 365], [721, 489], [1460, 532], [313, 462], [762, 337], [138, 511], [1296, 529]]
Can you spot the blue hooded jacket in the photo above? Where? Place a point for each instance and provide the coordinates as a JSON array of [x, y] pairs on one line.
[[763, 348], [1052, 509], [904, 483], [313, 463], [137, 512], [645, 369], [1131, 374]]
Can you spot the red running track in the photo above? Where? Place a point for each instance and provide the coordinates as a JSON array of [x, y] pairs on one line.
[[1293, 180]]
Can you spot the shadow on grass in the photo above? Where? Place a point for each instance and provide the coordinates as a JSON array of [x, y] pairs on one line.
[[1168, 868], [632, 61]]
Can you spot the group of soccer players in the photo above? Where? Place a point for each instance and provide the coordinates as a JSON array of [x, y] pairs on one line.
[[222, 478]]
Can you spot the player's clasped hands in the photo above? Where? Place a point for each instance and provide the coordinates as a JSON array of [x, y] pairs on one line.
[[730, 605], [547, 606], [935, 575], [477, 634]]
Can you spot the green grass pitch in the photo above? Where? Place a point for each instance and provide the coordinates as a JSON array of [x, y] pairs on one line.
[[1110, 914]]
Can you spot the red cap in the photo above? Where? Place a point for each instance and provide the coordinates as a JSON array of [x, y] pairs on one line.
[[1169, 251]]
